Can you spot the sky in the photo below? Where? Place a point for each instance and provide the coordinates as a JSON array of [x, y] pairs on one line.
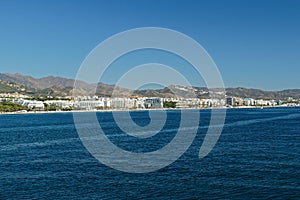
[[255, 43]]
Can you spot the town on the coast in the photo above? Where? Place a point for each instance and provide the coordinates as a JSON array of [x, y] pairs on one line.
[[15, 102], [21, 93]]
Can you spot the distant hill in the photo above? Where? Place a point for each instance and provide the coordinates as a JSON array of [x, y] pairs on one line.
[[41, 83], [10, 87], [58, 86], [260, 94]]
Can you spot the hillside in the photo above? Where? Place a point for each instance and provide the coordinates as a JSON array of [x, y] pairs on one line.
[[9, 87], [260, 94], [58, 86], [42, 83]]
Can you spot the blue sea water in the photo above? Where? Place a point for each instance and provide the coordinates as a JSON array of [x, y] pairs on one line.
[[256, 157]]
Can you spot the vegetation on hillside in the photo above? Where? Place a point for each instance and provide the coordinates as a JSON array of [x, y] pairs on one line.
[[9, 87], [61, 87], [11, 107], [36, 98]]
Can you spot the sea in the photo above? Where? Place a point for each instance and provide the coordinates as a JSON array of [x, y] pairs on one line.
[[257, 156]]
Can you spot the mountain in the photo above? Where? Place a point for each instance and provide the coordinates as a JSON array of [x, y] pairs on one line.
[[10, 87], [42, 83], [260, 94], [58, 86]]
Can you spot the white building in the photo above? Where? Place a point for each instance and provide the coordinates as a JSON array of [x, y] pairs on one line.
[[249, 102], [31, 104], [60, 103], [153, 102], [89, 104]]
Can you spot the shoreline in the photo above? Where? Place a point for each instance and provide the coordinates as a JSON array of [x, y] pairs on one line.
[[136, 110]]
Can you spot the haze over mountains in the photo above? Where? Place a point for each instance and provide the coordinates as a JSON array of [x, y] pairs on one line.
[[59, 86]]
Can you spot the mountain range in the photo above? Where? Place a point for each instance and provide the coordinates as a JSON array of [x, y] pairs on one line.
[[59, 86]]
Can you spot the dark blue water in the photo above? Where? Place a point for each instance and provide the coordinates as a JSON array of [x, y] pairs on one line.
[[257, 156]]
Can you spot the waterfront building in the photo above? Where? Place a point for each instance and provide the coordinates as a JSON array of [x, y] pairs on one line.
[[153, 102], [249, 102], [230, 101]]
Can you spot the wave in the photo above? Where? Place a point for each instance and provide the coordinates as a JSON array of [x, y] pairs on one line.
[[172, 130]]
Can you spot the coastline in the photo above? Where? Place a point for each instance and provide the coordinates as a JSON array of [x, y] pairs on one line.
[[136, 110]]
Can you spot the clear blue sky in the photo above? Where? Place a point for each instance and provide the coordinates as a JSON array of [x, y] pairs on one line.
[[254, 43]]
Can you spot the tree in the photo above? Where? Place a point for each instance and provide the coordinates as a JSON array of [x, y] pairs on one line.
[[169, 104]]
